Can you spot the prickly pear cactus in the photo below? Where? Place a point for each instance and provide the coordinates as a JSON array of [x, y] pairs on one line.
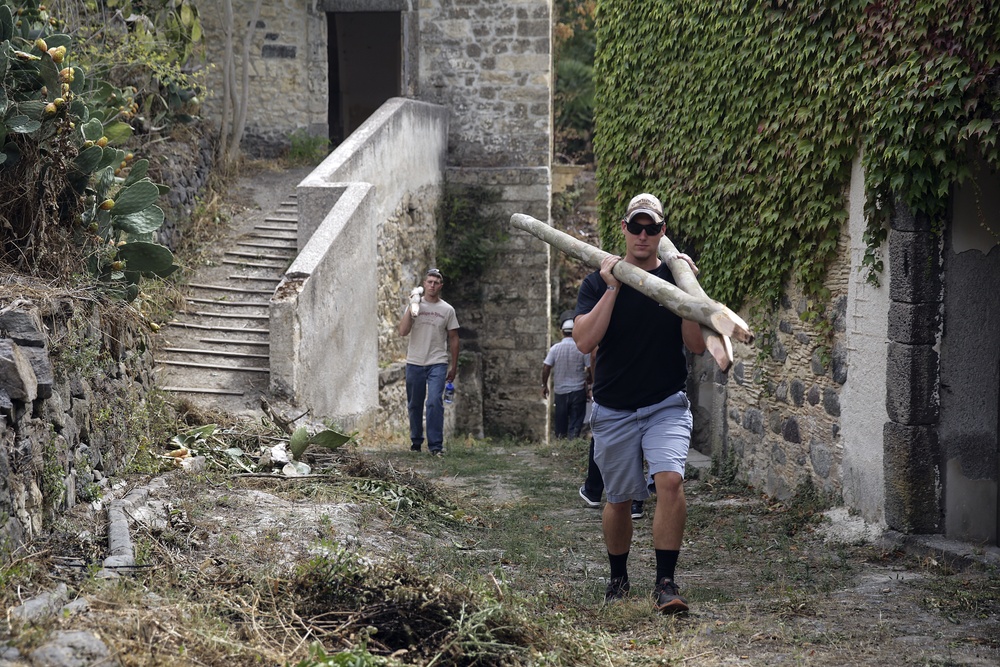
[[65, 186]]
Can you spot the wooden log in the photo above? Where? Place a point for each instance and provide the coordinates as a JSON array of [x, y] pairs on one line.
[[711, 314], [718, 345]]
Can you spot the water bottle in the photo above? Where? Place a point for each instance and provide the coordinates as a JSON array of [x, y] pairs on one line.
[[449, 392]]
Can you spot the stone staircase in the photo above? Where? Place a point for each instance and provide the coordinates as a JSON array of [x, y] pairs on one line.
[[215, 352]]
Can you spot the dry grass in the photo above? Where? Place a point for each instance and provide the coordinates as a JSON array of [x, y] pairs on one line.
[[485, 557]]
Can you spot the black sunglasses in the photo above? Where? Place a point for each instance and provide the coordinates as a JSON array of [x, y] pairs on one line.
[[652, 229]]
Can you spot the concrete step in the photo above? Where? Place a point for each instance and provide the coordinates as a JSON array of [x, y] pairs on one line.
[[215, 353]]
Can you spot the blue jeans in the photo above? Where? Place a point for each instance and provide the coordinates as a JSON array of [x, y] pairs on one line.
[[426, 382], [570, 408]]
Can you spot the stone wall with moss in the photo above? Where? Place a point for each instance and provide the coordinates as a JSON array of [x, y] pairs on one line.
[[776, 416], [76, 405]]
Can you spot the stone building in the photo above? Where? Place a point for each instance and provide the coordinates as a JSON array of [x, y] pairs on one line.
[[893, 409], [321, 68]]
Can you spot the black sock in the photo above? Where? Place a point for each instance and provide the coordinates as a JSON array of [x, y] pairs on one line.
[[666, 562], [619, 565]]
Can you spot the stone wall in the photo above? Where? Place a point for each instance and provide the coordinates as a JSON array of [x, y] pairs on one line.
[[490, 64], [777, 412], [183, 164], [507, 321], [74, 380], [288, 71]]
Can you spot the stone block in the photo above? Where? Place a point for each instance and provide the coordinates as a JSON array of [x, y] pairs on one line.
[[42, 365], [21, 322], [778, 352], [915, 270], [911, 478], [790, 430], [781, 391], [838, 363], [821, 458], [6, 406], [911, 381], [816, 363], [813, 395], [831, 402], [774, 422], [798, 390], [840, 314], [914, 323], [753, 421], [17, 377]]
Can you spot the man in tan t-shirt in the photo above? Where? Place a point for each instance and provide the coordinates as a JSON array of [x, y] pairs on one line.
[[431, 360]]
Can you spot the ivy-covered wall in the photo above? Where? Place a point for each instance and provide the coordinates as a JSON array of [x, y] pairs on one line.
[[745, 118]]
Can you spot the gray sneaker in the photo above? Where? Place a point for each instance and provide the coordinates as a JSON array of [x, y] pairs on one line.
[[667, 598], [617, 589]]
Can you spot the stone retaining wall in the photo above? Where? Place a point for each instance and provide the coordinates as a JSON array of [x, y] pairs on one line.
[[75, 377], [183, 162], [777, 412]]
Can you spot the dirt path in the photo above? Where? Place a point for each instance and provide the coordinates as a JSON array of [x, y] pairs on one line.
[[495, 529]]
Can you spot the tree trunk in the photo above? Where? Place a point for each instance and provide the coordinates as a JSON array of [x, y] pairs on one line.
[[235, 92], [227, 80], [711, 314], [239, 126]]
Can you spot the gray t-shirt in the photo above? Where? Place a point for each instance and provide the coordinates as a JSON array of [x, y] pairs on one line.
[[429, 334]]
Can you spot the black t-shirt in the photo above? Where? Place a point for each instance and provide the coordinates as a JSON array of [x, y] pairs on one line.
[[640, 361]]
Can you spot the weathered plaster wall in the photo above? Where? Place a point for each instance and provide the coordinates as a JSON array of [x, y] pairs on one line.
[[863, 398]]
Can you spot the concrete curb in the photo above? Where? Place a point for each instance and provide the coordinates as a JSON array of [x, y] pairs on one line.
[[120, 543], [959, 555]]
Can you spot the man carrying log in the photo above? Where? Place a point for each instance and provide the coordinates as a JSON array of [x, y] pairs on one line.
[[640, 408]]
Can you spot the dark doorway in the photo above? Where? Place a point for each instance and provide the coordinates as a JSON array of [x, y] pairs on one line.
[[970, 360], [365, 62]]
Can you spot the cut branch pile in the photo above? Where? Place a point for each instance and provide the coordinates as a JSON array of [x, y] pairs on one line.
[[687, 299]]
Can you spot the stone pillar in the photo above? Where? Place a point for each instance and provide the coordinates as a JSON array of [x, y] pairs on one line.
[[910, 442]]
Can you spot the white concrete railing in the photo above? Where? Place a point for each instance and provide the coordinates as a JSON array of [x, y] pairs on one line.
[[323, 326]]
